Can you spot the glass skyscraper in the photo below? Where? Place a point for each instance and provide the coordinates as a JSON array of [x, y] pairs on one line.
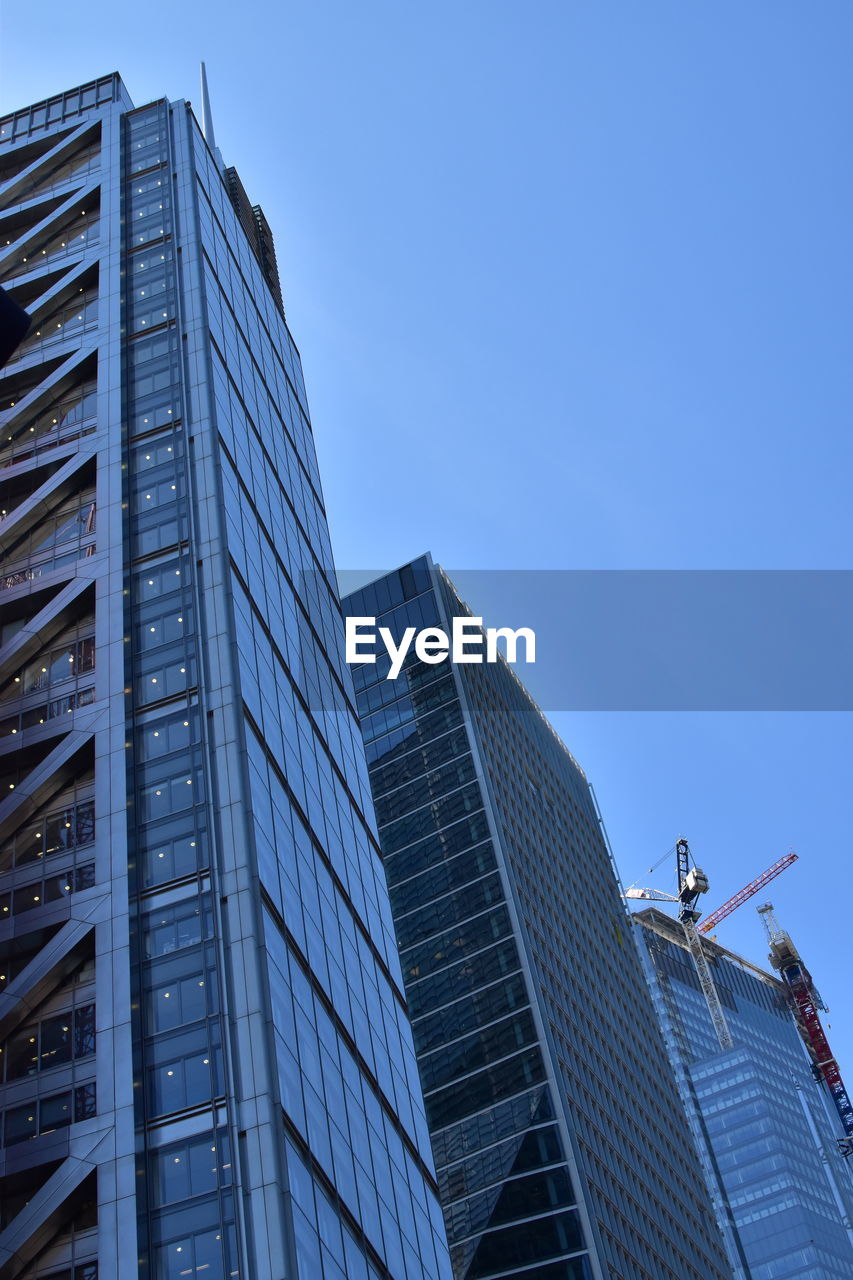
[[206, 1065], [766, 1130], [556, 1127]]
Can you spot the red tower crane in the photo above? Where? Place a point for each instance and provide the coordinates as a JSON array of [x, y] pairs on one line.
[[804, 1002], [747, 892]]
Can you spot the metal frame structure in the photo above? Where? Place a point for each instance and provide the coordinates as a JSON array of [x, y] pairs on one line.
[[692, 882], [805, 1001], [747, 892]]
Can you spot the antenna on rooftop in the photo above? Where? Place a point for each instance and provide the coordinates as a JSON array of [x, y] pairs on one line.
[[206, 114]]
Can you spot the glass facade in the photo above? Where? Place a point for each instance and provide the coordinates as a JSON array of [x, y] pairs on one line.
[[552, 1108], [206, 1064], [766, 1131]]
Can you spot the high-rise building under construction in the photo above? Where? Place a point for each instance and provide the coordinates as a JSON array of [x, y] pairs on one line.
[[765, 1125]]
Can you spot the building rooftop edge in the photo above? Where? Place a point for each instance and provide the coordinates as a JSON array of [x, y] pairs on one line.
[[659, 922], [120, 94], [427, 556]]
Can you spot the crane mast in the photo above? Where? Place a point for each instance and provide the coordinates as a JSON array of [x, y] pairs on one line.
[[804, 1002], [692, 883]]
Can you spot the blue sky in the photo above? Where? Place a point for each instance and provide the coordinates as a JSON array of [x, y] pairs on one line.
[[572, 285]]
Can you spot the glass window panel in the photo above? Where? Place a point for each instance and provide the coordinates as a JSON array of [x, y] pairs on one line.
[[56, 1041], [85, 1105], [21, 1053], [84, 1031], [20, 1123], [55, 1112]]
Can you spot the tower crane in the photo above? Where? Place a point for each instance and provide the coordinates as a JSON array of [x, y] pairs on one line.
[[692, 883], [804, 1001]]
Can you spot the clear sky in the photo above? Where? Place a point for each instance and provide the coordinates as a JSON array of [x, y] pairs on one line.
[[572, 285]]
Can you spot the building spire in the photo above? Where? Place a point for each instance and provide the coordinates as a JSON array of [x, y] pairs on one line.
[[206, 115]]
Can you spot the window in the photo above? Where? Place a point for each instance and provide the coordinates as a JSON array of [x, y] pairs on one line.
[[45, 1115], [175, 927], [50, 1043], [30, 897], [67, 828], [188, 1169]]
